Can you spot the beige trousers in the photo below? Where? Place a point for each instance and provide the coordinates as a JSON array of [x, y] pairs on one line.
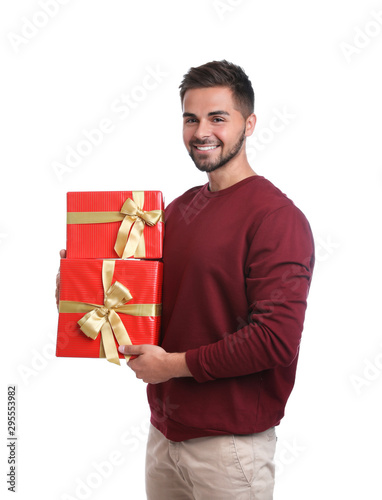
[[231, 467]]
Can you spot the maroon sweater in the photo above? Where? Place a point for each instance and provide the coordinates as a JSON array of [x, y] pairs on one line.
[[237, 270]]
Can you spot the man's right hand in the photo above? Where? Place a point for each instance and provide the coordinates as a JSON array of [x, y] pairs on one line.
[[62, 256]]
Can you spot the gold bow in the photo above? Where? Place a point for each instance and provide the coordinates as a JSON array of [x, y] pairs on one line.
[[104, 317], [130, 241]]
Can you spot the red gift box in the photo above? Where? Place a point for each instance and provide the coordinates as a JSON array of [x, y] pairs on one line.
[[112, 224], [108, 297]]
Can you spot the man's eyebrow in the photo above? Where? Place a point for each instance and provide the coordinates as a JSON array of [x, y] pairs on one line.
[[212, 113], [219, 112]]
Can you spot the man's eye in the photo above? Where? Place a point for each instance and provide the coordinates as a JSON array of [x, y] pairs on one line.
[[190, 120], [218, 119]]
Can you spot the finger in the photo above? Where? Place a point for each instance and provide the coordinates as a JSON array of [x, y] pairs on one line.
[[63, 253], [131, 349]]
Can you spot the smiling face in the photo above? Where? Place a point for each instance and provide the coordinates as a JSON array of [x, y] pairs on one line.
[[214, 130]]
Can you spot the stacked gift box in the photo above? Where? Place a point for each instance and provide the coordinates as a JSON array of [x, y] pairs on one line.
[[111, 280]]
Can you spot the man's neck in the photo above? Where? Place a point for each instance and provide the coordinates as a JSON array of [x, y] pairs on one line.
[[228, 175]]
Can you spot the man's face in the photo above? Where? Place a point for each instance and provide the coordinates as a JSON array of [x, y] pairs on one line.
[[214, 130]]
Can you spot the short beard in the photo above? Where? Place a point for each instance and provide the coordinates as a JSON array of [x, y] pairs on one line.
[[222, 160]]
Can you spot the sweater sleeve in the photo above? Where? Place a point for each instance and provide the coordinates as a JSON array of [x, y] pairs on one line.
[[278, 272]]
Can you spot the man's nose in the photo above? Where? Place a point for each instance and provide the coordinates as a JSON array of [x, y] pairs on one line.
[[203, 130]]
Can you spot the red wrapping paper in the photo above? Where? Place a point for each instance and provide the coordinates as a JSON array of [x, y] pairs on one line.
[[81, 280], [86, 241]]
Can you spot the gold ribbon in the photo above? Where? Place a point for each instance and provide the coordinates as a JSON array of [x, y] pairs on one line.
[[104, 317], [130, 239]]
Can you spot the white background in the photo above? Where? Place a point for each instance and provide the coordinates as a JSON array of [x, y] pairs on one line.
[[82, 424]]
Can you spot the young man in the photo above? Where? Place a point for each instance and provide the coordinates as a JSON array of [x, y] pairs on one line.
[[238, 261]]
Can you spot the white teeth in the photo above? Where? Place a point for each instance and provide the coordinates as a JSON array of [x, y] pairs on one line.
[[206, 148]]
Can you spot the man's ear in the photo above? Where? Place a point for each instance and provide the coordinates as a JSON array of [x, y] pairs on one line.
[[250, 124]]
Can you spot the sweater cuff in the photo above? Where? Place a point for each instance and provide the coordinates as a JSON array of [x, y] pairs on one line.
[[195, 367]]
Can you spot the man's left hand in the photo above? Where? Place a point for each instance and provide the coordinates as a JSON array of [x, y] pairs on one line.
[[153, 364]]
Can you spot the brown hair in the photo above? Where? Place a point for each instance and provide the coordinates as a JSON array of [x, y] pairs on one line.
[[222, 74]]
